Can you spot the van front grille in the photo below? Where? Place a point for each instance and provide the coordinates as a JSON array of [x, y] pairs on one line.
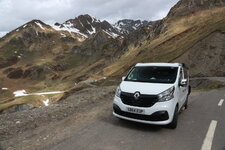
[[142, 101]]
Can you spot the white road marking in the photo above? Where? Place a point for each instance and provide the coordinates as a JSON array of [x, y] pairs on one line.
[[221, 102], [207, 144]]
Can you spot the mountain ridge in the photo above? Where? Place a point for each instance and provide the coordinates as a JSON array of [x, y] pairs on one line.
[[86, 25]]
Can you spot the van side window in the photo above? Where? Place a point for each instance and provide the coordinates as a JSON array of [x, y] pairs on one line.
[[181, 75]]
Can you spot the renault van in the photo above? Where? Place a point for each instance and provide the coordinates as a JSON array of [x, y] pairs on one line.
[[153, 93]]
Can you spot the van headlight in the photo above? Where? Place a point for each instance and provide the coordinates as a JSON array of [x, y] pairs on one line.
[[166, 95], [118, 91]]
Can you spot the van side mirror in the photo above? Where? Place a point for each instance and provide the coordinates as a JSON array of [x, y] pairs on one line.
[[123, 78], [183, 82]]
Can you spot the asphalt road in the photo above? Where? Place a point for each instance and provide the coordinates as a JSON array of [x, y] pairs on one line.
[[105, 132]]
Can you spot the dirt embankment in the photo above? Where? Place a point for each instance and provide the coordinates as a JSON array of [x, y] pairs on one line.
[[206, 58], [14, 124]]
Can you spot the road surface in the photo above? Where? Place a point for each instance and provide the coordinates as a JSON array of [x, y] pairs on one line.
[[200, 127]]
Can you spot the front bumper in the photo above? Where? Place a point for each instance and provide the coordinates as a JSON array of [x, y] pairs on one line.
[[161, 113]]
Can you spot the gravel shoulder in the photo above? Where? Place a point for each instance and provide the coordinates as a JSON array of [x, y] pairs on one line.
[[36, 128]]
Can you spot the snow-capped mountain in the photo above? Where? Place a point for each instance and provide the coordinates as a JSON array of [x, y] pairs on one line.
[[86, 26], [127, 26]]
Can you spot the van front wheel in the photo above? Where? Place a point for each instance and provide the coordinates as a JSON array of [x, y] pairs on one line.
[[173, 124]]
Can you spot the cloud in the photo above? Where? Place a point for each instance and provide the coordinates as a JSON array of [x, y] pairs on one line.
[[14, 13]]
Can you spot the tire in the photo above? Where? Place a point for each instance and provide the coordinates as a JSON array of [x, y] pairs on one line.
[[186, 103], [173, 124], [189, 90]]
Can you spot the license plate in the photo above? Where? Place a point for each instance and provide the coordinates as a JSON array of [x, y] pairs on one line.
[[135, 110]]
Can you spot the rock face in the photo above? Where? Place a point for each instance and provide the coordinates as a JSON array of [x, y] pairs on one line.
[[135, 37], [184, 7], [88, 25], [18, 108], [208, 53], [97, 46], [8, 62], [34, 72], [127, 26], [15, 73]]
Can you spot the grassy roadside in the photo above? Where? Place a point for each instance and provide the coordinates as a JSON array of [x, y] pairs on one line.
[[207, 85]]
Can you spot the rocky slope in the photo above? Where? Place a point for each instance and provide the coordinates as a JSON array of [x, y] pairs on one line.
[[127, 26], [188, 7], [39, 51], [187, 37]]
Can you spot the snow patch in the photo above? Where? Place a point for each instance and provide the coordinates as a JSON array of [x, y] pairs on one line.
[[17, 122], [137, 25], [25, 26], [81, 23], [117, 27], [114, 35], [20, 93], [40, 25], [47, 93], [93, 30], [17, 30], [46, 102], [4, 89], [121, 24], [63, 35], [24, 93], [94, 19], [68, 27]]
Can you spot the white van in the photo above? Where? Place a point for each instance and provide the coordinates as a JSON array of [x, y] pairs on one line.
[[153, 93]]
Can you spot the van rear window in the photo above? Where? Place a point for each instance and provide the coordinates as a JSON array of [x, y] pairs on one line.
[[153, 74]]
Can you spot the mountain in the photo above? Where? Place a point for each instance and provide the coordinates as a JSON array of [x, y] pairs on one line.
[[127, 26], [192, 33], [86, 26], [190, 7], [37, 50], [43, 54]]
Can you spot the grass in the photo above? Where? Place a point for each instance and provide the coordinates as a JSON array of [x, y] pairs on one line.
[[181, 35], [207, 85], [34, 100]]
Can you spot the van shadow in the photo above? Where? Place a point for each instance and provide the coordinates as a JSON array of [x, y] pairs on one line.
[[1, 147], [116, 122]]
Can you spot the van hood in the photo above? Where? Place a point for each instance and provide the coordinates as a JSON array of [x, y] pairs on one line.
[[144, 88]]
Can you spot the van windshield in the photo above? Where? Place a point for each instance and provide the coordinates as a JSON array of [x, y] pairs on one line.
[[153, 74]]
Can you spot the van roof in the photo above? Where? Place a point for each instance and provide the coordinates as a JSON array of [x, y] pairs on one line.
[[160, 64]]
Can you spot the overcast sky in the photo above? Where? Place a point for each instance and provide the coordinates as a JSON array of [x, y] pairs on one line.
[[14, 13]]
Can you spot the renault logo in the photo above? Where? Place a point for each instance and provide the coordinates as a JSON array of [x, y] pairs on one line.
[[137, 95]]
